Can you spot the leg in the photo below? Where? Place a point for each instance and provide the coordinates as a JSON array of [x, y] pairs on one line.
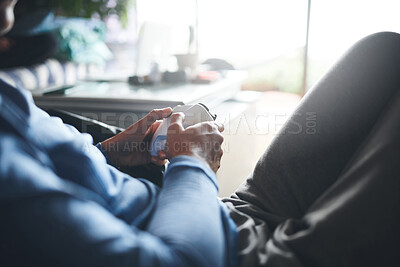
[[299, 166], [356, 221]]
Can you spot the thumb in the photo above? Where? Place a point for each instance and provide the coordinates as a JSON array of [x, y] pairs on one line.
[[176, 122], [158, 114], [155, 114]]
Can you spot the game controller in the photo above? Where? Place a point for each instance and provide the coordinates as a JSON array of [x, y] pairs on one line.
[[193, 114]]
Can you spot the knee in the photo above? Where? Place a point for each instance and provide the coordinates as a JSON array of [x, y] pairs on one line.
[[381, 42], [382, 37], [375, 53]]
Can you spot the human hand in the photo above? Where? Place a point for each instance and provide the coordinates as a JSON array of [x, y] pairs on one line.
[[131, 147], [202, 141]]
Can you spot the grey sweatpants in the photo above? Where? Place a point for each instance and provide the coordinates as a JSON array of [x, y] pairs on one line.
[[330, 196]]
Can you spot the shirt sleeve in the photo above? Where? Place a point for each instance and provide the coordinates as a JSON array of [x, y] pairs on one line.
[[55, 227], [190, 190], [108, 160]]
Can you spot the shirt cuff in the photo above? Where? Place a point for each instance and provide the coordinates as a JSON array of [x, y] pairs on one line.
[[109, 162], [190, 162]]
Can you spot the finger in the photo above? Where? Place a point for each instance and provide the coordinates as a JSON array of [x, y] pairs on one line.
[[158, 114], [220, 126], [166, 112], [162, 154], [176, 122], [144, 124], [157, 161], [150, 131], [212, 125], [177, 117], [209, 126], [153, 128]]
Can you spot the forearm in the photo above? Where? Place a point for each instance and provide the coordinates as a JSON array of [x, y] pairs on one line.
[[188, 216], [65, 230]]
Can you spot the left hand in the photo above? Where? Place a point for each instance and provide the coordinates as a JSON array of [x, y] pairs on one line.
[[131, 147]]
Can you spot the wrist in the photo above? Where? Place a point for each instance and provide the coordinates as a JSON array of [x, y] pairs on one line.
[[108, 160], [191, 154], [110, 149], [188, 161]]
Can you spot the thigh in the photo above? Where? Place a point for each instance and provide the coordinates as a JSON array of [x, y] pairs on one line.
[[356, 221], [303, 162]]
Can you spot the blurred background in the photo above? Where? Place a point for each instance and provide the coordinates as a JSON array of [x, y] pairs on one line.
[[284, 47], [268, 38]]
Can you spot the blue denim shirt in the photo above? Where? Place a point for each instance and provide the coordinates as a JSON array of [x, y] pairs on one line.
[[61, 204]]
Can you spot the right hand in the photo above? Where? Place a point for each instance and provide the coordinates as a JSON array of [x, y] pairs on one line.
[[202, 141]]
